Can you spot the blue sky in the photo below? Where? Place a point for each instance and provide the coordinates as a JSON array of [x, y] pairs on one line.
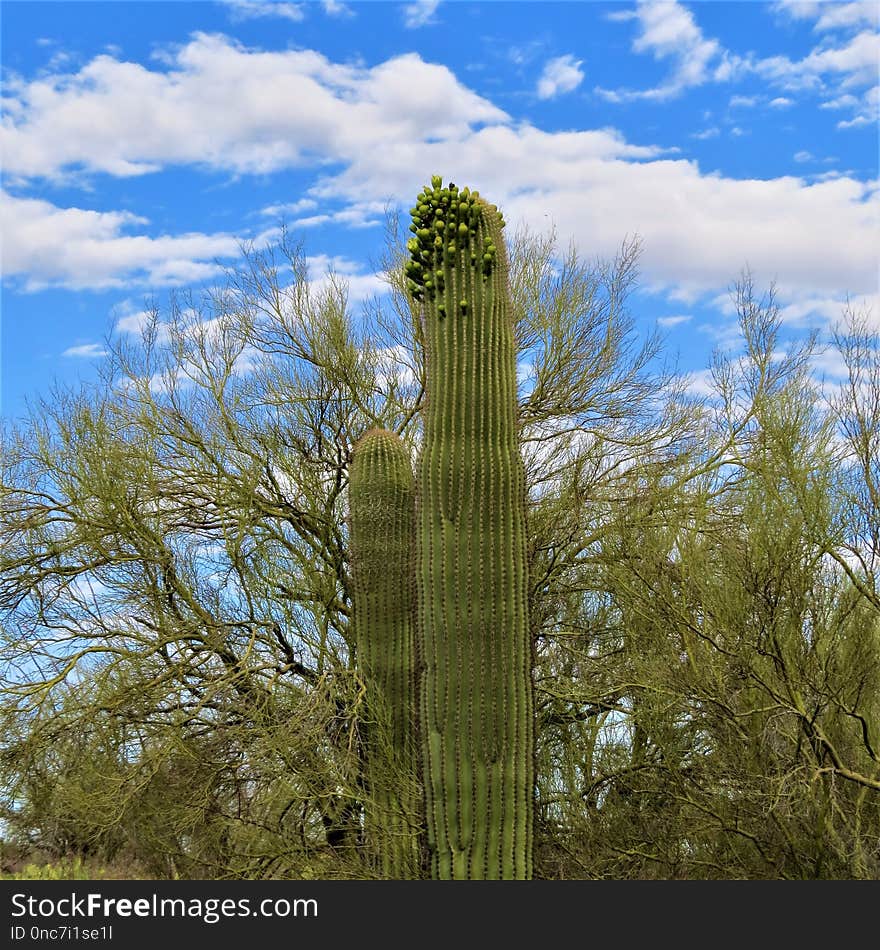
[[142, 142]]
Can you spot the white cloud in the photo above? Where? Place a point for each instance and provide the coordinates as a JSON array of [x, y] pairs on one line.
[[136, 322], [829, 362], [524, 53], [675, 320], [396, 368], [711, 133], [805, 309], [620, 16], [290, 108], [867, 110], [376, 134], [254, 9], [855, 122], [836, 15], [666, 27], [831, 14], [845, 101], [336, 8], [562, 74], [290, 207], [803, 156], [781, 102], [854, 63], [86, 350], [367, 214], [525, 371], [700, 383], [836, 73], [669, 32], [420, 13], [44, 246], [744, 102], [324, 269], [797, 9], [834, 173], [698, 229]]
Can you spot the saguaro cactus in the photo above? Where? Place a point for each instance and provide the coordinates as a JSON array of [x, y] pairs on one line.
[[382, 527], [476, 692]]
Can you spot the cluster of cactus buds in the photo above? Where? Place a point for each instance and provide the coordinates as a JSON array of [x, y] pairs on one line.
[[444, 225]]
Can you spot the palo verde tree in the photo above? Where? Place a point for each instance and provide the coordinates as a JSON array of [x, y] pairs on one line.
[[715, 714]]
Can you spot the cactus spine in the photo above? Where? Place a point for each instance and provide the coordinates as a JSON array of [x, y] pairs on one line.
[[471, 573], [382, 526]]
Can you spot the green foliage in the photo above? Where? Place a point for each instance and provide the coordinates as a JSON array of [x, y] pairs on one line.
[[727, 720], [66, 870], [181, 688]]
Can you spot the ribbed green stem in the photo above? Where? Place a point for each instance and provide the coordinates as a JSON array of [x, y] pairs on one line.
[[476, 697], [382, 545]]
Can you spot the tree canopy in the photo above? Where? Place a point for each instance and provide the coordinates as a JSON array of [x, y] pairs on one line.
[[179, 676]]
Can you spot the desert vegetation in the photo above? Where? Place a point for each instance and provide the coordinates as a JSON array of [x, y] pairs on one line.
[[687, 674]]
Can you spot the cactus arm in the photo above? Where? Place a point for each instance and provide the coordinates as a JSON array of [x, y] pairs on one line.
[[381, 498]]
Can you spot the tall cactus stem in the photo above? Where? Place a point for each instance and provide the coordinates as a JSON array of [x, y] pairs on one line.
[[471, 574]]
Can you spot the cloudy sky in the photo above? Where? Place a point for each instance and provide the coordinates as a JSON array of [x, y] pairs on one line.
[[142, 142]]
